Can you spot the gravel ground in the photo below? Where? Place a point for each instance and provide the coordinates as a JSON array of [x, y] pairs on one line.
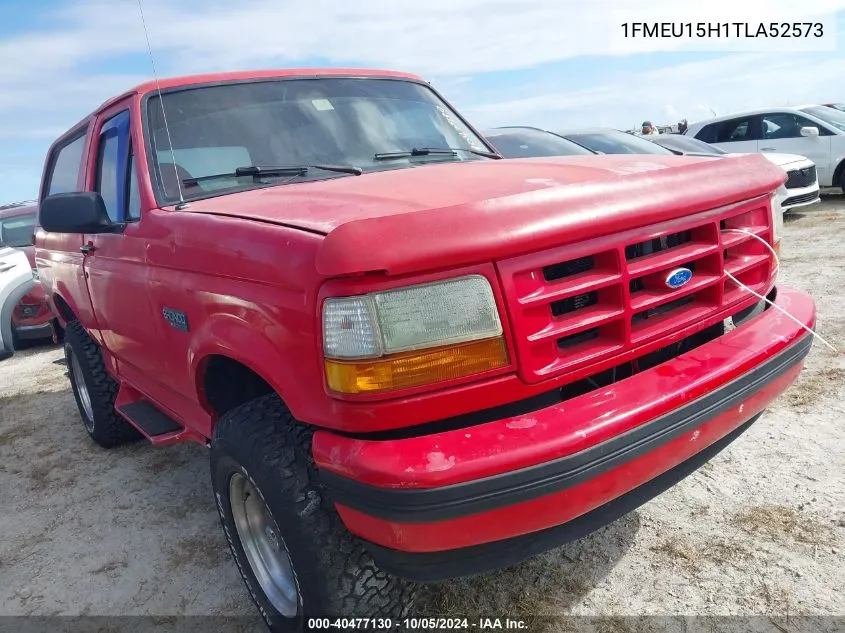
[[760, 530]]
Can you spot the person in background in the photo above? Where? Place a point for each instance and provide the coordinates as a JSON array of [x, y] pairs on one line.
[[682, 127], [649, 129]]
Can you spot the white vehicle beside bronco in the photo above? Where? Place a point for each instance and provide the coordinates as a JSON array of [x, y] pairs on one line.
[[16, 278], [814, 131]]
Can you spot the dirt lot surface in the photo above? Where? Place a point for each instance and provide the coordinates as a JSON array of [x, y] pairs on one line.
[[760, 530]]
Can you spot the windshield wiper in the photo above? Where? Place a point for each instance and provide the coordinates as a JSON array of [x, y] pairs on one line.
[[426, 151], [257, 172]]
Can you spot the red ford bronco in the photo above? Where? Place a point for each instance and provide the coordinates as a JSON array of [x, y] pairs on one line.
[[410, 359]]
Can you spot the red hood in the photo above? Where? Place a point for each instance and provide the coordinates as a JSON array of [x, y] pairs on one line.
[[480, 210]]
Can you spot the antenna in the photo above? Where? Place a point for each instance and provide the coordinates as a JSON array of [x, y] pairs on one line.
[[182, 203]]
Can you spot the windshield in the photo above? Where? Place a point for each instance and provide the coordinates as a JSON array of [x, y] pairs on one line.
[[297, 122], [686, 144], [616, 143], [532, 143], [831, 116], [17, 231]]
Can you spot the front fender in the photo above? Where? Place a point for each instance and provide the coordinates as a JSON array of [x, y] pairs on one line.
[[231, 336]]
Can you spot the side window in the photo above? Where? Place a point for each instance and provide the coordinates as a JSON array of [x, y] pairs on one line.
[[708, 133], [107, 172], [65, 169], [823, 131], [736, 130], [113, 157], [787, 125]]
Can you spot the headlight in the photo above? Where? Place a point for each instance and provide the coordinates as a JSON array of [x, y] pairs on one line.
[[412, 336]]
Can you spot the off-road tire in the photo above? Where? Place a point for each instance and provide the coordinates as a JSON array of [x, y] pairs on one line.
[[335, 575], [106, 428]]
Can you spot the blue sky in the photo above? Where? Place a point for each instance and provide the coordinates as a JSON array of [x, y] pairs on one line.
[[552, 63]]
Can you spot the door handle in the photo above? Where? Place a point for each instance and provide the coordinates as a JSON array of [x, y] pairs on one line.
[[87, 248], [768, 149]]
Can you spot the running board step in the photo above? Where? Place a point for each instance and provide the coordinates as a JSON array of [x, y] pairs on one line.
[[149, 419]]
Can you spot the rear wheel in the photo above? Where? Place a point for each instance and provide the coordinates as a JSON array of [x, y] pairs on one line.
[[295, 556], [94, 390]]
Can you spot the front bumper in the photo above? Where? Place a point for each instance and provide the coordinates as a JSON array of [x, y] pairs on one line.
[[801, 197], [35, 332], [483, 497]]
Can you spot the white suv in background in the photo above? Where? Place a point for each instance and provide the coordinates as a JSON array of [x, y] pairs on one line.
[[16, 278], [814, 131]]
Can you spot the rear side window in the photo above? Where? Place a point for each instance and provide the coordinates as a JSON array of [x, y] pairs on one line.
[[65, 169], [736, 130], [708, 133]]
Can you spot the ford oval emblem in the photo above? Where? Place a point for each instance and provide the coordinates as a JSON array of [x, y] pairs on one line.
[[678, 277]]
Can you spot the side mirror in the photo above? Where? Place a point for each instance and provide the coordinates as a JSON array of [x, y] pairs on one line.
[[809, 131], [79, 212]]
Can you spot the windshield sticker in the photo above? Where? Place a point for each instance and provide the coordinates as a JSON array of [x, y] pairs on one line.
[[322, 104], [447, 116]]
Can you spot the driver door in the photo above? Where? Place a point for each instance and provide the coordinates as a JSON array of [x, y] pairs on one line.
[[115, 263]]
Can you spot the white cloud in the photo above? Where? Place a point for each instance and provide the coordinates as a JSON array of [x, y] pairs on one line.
[[731, 83], [53, 75]]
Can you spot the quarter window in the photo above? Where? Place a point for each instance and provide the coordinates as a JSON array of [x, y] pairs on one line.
[[707, 134], [65, 170]]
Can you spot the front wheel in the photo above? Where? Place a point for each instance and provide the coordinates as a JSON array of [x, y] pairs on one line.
[[295, 556]]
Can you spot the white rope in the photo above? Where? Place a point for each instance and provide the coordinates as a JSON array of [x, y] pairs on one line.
[[761, 297]]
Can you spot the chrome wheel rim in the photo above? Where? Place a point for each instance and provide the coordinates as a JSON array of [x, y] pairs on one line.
[[82, 390], [263, 545]]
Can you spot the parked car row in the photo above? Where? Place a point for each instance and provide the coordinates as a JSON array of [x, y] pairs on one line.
[[800, 189], [814, 131]]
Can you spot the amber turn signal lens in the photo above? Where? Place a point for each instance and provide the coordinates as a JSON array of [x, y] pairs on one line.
[[777, 248], [413, 369]]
